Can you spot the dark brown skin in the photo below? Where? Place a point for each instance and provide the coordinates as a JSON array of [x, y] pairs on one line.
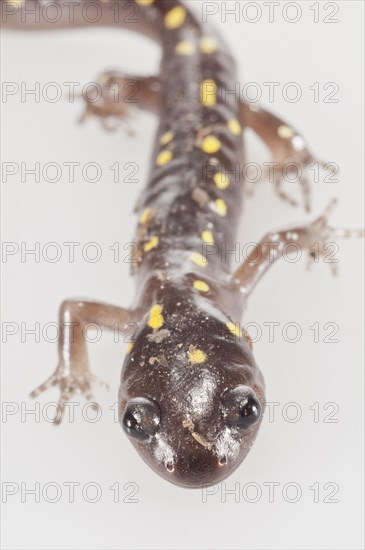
[[191, 391], [191, 396]]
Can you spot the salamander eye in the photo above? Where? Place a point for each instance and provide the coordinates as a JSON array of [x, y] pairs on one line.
[[141, 418], [241, 407]]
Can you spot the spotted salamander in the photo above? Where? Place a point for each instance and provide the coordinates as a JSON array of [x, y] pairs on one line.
[[191, 397]]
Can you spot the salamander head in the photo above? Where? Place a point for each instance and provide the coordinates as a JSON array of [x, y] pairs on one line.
[[191, 399]]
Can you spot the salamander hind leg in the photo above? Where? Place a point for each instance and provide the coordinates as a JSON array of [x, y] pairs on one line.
[[291, 157], [116, 98], [73, 374]]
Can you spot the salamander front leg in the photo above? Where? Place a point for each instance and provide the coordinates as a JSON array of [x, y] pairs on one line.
[[118, 96], [73, 374], [290, 153], [313, 238]]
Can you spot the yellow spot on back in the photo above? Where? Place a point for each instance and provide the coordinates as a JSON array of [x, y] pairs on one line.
[[208, 45], [196, 355], [146, 216], [235, 329], [198, 259], [145, 2], [211, 144], [175, 18], [166, 137], [285, 132], [164, 158], [208, 92], [221, 207], [185, 48], [234, 127], [156, 319], [202, 286], [221, 180], [129, 347], [151, 244], [207, 237]]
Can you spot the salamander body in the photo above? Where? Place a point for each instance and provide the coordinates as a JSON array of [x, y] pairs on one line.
[[191, 371], [191, 397]]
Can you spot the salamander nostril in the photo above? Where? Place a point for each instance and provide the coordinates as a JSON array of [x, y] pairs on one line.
[[170, 467], [222, 461]]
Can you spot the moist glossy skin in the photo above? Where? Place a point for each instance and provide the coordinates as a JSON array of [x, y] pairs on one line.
[[195, 442], [191, 397]]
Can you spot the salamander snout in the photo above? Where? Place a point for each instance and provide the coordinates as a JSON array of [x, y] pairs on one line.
[[197, 469], [191, 450]]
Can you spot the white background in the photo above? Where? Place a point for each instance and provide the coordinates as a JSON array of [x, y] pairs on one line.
[[305, 452]]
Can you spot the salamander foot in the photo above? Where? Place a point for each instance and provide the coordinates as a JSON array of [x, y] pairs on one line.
[[69, 385]]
